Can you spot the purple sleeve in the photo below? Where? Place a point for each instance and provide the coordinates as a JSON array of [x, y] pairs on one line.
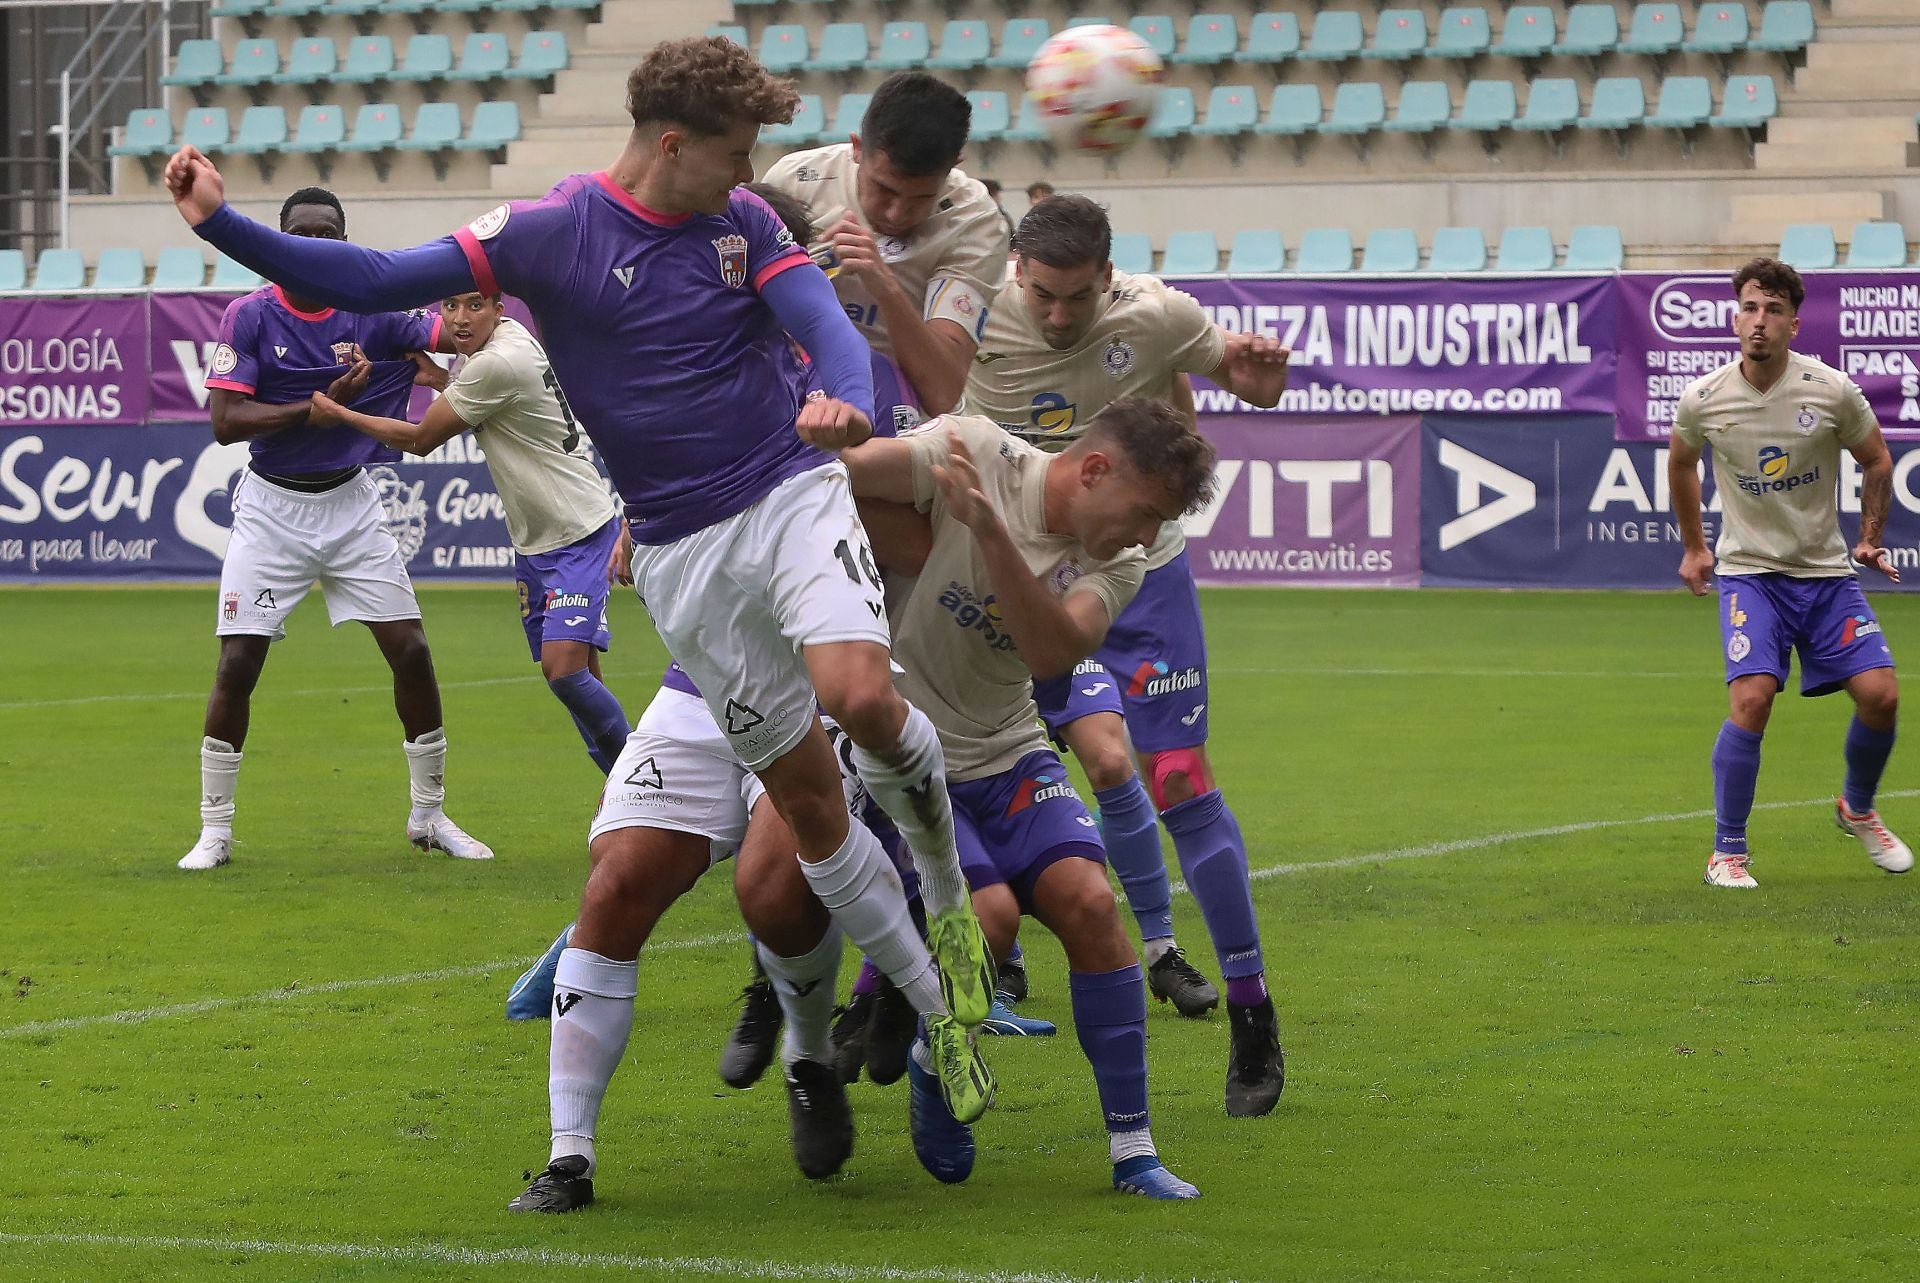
[[770, 246], [809, 309], [236, 357], [350, 277], [404, 332], [526, 248]]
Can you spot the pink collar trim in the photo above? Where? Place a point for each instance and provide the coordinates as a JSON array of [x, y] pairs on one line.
[[321, 315], [625, 197]]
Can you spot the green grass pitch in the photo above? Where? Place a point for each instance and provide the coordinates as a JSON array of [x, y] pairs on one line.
[[1523, 1040]]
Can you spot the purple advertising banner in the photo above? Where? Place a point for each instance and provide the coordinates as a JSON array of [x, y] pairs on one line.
[[1306, 502], [184, 330], [73, 360], [1675, 328], [1414, 345]]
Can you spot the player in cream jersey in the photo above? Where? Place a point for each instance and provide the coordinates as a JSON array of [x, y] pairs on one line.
[[559, 513], [1776, 421], [1071, 336], [917, 250]]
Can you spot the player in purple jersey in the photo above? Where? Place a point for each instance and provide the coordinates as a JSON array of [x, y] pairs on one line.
[[305, 512], [665, 298]]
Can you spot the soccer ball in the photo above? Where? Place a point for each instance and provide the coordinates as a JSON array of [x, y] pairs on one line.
[[1094, 87]]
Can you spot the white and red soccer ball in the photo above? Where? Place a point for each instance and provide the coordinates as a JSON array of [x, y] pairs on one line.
[[1095, 87]]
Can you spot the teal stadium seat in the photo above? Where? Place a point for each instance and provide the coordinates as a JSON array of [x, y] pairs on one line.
[[376, 128], [1391, 249], [1619, 103], [847, 115], [1132, 252], [1685, 103], [1808, 246], [1462, 32], [1488, 107], [351, 8], [295, 8], [483, 56], [1232, 110], [1592, 30], [1873, 245], [1325, 249], [1525, 249], [543, 55], [1084, 20], [1786, 26], [1720, 28], [1553, 103], [120, 268], [494, 125], [1359, 107], [729, 31], [462, 6], [229, 275], [255, 62], [1655, 29], [240, 8], [13, 271], [429, 57], [1292, 111], [1020, 39], [580, 6], [1212, 39], [411, 8], [783, 47], [1257, 251], [1399, 35], [1749, 103], [1528, 33], [206, 128], [322, 127], [1190, 254], [809, 119], [843, 47], [436, 127], [904, 46], [992, 117], [196, 62], [1156, 29], [179, 267], [263, 129], [965, 44], [311, 61], [369, 60], [59, 270], [149, 132], [1594, 248], [1027, 127], [1173, 113], [1458, 249], [1272, 38], [1424, 106], [1337, 36]]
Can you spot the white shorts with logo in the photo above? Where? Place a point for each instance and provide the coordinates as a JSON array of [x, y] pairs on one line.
[[284, 541], [736, 601], [676, 772]]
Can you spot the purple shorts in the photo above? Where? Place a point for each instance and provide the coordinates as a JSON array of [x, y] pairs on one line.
[[1152, 668], [563, 593], [1014, 826], [1765, 618]]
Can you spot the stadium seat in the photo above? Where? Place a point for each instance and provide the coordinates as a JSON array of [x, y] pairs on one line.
[[376, 128], [1173, 113], [1232, 110], [1211, 39], [295, 8], [179, 267], [1359, 107], [847, 115], [965, 44], [992, 118], [904, 46], [783, 47], [1190, 254], [1257, 251], [1084, 20], [1525, 249], [321, 127], [1592, 30], [1873, 245], [1337, 36], [731, 32], [843, 47], [1720, 28], [1027, 127], [1132, 252], [1272, 38], [369, 60], [1655, 29], [1325, 249], [1489, 106], [809, 119], [462, 6], [543, 55], [206, 128], [1391, 249], [1685, 103], [436, 127], [120, 268], [1786, 26], [352, 8], [1020, 39], [1529, 32], [1401, 34], [148, 132], [262, 129], [13, 270], [1424, 106], [484, 56], [1458, 249], [59, 270], [1808, 245], [311, 61], [240, 8], [229, 275], [494, 125], [1293, 111], [1749, 103], [255, 62], [429, 57], [1462, 32], [1157, 30], [1594, 248], [1619, 103], [195, 63], [1553, 103]]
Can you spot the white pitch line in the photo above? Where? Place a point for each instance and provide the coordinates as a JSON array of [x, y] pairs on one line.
[[1546, 673], [162, 696], [547, 1258]]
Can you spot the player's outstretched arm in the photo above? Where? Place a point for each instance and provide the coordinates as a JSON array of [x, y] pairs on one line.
[[935, 355], [881, 468], [438, 426], [1683, 484], [1876, 494]]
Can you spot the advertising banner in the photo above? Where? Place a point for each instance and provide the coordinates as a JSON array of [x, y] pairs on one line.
[[183, 330], [73, 360]]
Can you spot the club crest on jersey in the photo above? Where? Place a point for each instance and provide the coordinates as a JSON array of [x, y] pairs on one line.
[[224, 359], [892, 248], [1063, 576], [1806, 420], [343, 352], [490, 224], [1118, 358], [733, 259]]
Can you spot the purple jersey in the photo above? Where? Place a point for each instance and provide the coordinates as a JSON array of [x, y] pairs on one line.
[[278, 355], [654, 324], [896, 406]]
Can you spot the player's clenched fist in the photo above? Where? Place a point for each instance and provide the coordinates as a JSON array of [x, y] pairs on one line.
[[831, 424], [1696, 568], [966, 502], [195, 184], [854, 247]]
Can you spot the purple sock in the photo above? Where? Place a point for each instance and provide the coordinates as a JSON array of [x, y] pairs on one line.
[[1214, 859], [1867, 751], [1247, 991], [1132, 836], [1110, 1016], [1736, 769], [597, 715], [868, 980]]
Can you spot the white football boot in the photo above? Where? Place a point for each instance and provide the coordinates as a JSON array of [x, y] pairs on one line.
[[210, 852], [1882, 847], [1728, 871], [441, 834]]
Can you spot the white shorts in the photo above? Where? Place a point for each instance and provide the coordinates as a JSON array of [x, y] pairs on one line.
[[284, 541], [676, 772], [736, 601]]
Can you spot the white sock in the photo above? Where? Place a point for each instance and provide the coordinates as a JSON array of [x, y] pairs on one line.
[[427, 773], [860, 888], [219, 777], [1151, 951], [806, 989], [592, 1018], [1124, 1145], [909, 781]]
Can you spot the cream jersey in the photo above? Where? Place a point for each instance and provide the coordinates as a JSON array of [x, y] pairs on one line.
[[1146, 332], [955, 262], [1776, 458], [507, 394], [961, 666]]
